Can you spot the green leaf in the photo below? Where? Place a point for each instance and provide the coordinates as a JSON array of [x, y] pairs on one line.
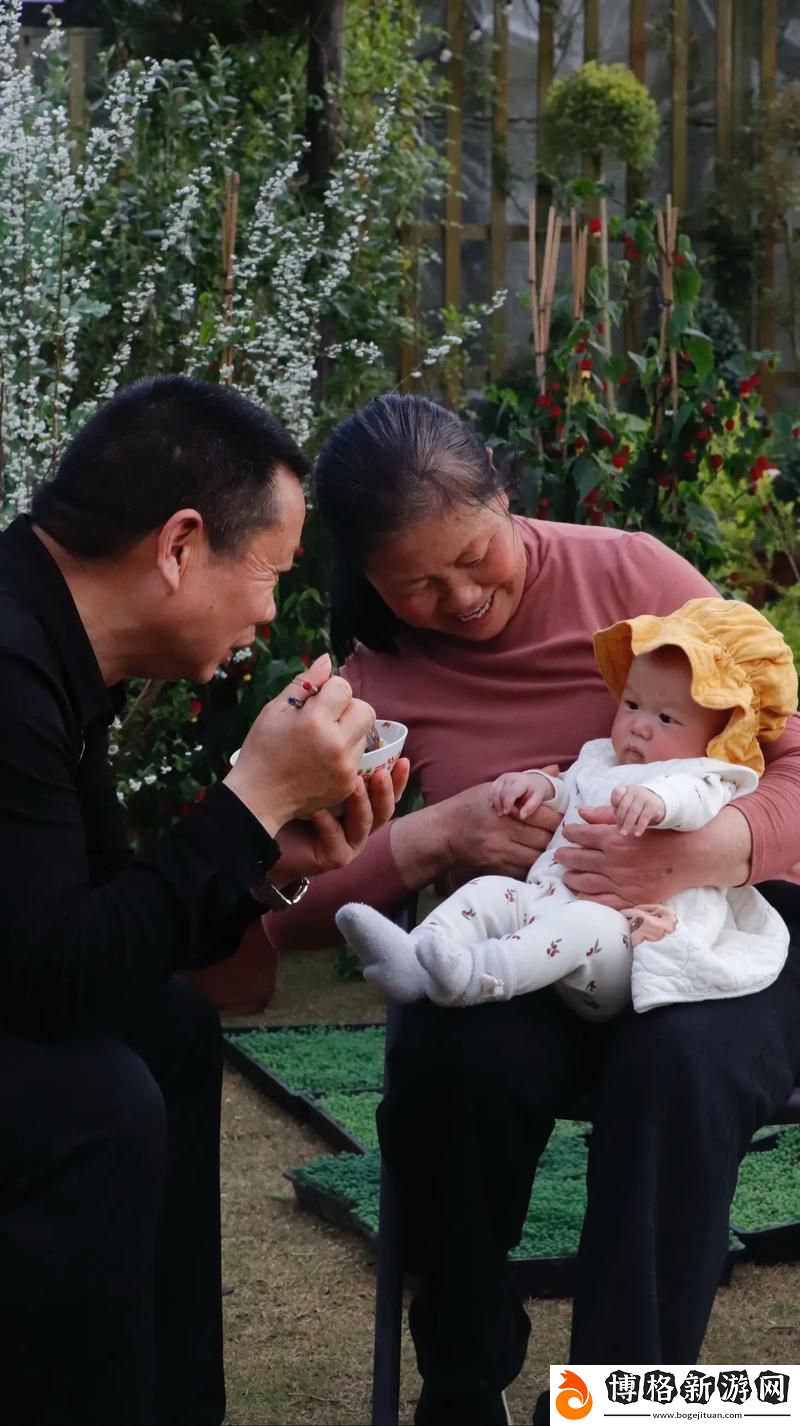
[[701, 352], [585, 474], [680, 417], [703, 522]]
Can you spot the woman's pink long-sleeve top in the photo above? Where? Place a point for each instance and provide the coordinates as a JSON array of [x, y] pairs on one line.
[[531, 696]]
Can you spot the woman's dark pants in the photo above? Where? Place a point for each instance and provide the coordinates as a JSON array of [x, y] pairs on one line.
[[675, 1096], [110, 1307]]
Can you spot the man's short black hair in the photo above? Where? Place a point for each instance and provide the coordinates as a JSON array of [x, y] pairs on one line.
[[161, 445]]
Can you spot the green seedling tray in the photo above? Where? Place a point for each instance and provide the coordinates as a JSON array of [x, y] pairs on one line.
[[301, 1087], [329, 1077], [765, 1212]]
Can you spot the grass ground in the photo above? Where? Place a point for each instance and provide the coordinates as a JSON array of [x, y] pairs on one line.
[[299, 1319]]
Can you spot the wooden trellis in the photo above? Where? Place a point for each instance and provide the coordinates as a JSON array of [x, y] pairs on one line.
[[736, 22]]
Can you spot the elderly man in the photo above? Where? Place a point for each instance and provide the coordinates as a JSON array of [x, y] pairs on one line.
[[154, 551]]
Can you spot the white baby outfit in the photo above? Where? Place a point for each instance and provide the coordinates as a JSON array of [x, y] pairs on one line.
[[496, 937], [726, 943]]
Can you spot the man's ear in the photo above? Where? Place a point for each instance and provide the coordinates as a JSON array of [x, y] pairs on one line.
[[180, 539]]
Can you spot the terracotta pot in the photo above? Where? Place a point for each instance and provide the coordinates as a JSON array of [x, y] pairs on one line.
[[245, 982]]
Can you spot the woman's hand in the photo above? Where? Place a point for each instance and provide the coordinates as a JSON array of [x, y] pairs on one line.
[[478, 839], [606, 866], [324, 842]]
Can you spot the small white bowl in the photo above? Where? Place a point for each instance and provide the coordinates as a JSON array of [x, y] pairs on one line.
[[393, 736]]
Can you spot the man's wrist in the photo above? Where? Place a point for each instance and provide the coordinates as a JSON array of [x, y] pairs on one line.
[[262, 807]]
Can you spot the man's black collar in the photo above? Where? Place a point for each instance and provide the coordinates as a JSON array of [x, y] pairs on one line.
[[40, 581]]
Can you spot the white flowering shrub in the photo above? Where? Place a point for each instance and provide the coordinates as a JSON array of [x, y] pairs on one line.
[[110, 269]]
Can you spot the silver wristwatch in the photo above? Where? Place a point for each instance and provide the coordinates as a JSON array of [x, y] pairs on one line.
[[276, 899]]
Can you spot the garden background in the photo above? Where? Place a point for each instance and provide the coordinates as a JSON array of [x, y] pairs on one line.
[[574, 221]]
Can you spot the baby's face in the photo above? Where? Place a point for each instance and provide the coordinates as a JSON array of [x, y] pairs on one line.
[[657, 719]]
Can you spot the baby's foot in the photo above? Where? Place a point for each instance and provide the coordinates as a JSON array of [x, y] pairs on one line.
[[650, 923], [457, 973], [386, 952], [448, 967]]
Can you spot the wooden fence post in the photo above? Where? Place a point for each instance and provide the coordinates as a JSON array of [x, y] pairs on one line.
[[498, 231], [680, 103], [454, 129], [769, 66]]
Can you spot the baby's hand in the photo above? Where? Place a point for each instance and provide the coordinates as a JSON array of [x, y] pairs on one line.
[[520, 792], [637, 808]]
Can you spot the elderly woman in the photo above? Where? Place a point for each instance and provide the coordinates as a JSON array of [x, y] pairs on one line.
[[474, 627]]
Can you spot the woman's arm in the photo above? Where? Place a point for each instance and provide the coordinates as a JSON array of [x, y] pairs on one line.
[[754, 839], [461, 835]]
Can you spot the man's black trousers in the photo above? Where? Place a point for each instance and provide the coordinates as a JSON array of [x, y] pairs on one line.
[[110, 1292], [675, 1096]]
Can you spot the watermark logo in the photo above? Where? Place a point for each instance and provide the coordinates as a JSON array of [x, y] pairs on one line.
[[573, 1399], [670, 1393]]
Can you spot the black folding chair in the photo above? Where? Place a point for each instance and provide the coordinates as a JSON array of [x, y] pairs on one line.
[[389, 1265]]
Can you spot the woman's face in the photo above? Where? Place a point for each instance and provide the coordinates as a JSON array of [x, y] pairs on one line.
[[461, 572]]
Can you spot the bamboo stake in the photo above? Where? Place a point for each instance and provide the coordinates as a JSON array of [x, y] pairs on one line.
[[541, 349], [573, 258], [611, 399], [532, 280], [230, 218]]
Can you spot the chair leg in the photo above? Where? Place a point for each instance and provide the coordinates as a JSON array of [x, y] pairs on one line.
[[389, 1265], [388, 1309]]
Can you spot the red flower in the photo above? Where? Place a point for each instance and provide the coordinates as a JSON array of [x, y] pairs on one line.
[[579, 346], [705, 434], [665, 481], [734, 578], [600, 328], [555, 385], [604, 437], [679, 260], [560, 432], [796, 432], [585, 364], [715, 462], [590, 499], [544, 503], [558, 411], [620, 458], [595, 227], [625, 379], [730, 424], [581, 443], [265, 632], [708, 408], [691, 456], [543, 401], [195, 707]]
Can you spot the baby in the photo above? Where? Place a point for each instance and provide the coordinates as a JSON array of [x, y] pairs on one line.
[[697, 691]]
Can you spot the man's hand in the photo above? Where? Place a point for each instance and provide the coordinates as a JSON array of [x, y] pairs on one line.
[[324, 842], [637, 808], [299, 759], [602, 865]]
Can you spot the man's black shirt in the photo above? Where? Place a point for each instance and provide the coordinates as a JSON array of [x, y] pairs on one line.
[[88, 932]]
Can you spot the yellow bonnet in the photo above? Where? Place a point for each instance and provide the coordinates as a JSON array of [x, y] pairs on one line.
[[738, 661]]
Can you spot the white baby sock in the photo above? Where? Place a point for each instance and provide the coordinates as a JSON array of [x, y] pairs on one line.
[[466, 975], [386, 952]]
